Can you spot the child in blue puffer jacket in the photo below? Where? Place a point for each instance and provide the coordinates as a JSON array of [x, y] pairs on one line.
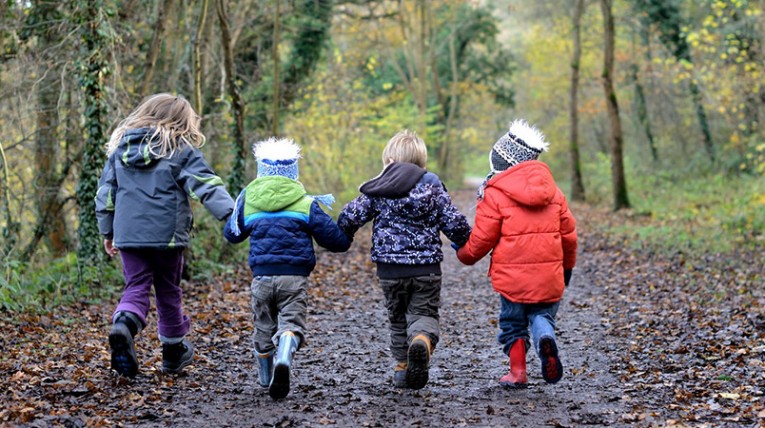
[[409, 206], [281, 222]]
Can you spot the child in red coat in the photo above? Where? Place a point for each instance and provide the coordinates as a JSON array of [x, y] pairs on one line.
[[523, 218]]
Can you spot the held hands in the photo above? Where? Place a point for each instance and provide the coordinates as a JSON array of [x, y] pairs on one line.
[[111, 250]]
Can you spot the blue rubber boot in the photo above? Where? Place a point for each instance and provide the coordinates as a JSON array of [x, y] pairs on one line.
[[265, 368], [280, 383]]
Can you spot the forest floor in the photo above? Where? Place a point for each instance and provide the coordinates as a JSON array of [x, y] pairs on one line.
[[645, 339]]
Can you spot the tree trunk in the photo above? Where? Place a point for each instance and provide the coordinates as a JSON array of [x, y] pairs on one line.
[[615, 141], [89, 253], [445, 152], [198, 105], [50, 222], [277, 20], [642, 111], [666, 15], [163, 11], [237, 178], [577, 184], [11, 230], [701, 114]]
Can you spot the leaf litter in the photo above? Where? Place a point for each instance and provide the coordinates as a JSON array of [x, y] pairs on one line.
[[645, 339]]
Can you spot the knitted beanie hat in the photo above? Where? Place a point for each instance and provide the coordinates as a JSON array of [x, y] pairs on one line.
[[277, 157], [523, 143]]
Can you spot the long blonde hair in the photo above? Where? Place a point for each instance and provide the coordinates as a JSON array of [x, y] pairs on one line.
[[174, 121]]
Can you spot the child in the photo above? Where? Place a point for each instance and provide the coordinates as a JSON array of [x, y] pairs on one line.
[[523, 217], [280, 220], [143, 211], [409, 207]]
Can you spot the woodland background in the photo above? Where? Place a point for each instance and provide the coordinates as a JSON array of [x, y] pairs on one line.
[[654, 107]]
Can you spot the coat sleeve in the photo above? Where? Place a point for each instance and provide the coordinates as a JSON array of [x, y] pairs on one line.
[[201, 184], [451, 221], [326, 233], [568, 235], [486, 231], [235, 230], [105, 198], [355, 214]]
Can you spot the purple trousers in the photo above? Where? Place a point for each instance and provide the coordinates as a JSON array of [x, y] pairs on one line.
[[162, 268]]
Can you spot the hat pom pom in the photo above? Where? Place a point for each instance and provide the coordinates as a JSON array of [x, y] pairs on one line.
[[276, 149], [530, 135]]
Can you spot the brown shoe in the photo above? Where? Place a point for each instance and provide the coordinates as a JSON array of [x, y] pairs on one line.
[[418, 362]]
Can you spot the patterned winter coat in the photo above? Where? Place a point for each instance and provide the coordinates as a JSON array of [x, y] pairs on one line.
[[143, 200], [409, 206], [281, 222], [524, 218]]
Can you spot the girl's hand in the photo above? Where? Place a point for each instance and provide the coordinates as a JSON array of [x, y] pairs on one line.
[[109, 247]]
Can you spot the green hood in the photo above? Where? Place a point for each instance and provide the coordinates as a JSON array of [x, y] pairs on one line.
[[272, 193]]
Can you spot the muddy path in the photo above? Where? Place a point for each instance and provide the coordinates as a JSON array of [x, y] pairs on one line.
[[342, 376]]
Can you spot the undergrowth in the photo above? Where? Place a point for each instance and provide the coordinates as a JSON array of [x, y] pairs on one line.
[[35, 286], [687, 211]]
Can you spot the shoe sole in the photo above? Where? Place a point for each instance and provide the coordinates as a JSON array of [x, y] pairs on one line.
[[552, 369], [124, 360], [176, 370], [417, 369], [280, 383], [513, 385]]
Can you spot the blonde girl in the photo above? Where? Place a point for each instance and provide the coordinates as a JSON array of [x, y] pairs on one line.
[[154, 166]]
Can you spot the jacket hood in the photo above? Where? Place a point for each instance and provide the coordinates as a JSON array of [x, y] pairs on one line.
[[530, 183], [395, 180], [273, 193], [133, 149]]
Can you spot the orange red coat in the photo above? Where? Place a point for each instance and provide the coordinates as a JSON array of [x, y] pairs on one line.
[[524, 218]]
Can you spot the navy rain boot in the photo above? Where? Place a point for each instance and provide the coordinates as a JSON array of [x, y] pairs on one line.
[[280, 382]]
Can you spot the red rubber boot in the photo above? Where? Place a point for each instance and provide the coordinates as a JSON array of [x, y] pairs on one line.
[[516, 377]]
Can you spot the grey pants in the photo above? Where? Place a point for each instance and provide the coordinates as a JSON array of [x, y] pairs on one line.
[[412, 309], [278, 305]]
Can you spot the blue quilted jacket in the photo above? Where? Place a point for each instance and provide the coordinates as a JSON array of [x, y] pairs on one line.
[[409, 207], [281, 222]]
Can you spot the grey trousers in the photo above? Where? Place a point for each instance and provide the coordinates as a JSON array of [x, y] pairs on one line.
[[278, 305], [412, 305]]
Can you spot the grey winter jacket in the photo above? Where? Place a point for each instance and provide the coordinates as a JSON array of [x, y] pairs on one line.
[[143, 201]]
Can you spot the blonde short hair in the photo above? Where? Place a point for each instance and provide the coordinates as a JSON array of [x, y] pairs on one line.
[[405, 146], [175, 124]]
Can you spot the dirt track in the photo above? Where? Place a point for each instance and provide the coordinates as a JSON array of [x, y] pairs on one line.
[[342, 375]]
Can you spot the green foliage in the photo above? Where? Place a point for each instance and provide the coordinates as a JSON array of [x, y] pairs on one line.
[[342, 141], [209, 255], [39, 288], [692, 212]]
